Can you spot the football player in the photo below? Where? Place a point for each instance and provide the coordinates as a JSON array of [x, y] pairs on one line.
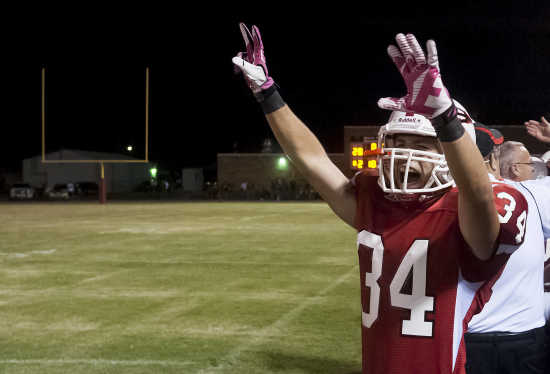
[[511, 325], [427, 250]]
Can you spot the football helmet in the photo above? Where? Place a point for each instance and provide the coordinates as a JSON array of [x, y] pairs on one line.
[[414, 124]]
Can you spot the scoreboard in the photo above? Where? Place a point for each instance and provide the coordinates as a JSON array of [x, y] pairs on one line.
[[364, 154]]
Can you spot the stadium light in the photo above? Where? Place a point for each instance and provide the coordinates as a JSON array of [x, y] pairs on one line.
[[282, 163], [153, 172]]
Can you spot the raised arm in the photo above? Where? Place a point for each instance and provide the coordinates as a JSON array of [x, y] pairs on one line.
[[298, 142], [477, 214], [426, 95], [539, 130]]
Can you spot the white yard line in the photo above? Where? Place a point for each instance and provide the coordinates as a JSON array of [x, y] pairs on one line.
[[96, 362], [233, 356], [101, 277], [21, 255]]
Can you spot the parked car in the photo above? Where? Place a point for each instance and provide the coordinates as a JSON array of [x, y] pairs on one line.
[[59, 191], [86, 188], [22, 191]]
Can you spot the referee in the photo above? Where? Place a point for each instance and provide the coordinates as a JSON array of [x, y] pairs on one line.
[[508, 336]]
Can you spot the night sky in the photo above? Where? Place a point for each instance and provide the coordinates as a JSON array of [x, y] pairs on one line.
[[331, 65]]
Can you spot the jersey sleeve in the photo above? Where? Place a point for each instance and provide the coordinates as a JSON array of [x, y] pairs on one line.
[[512, 211]]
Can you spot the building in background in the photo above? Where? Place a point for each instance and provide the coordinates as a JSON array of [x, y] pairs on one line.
[[123, 177], [260, 170], [192, 180]]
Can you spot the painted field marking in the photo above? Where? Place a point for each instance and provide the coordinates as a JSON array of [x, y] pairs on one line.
[[22, 255], [96, 362], [232, 357]]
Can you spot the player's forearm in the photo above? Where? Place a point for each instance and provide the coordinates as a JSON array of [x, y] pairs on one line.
[[296, 139], [311, 160], [478, 216], [467, 168]]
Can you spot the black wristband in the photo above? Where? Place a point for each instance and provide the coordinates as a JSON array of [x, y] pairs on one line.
[[270, 100], [447, 125]]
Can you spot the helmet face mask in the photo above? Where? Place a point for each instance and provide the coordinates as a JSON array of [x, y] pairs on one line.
[[412, 163]]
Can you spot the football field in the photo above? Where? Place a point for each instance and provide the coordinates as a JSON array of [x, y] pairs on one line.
[[170, 287]]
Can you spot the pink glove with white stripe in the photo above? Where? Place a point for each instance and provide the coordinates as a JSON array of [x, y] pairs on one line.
[[252, 62], [426, 93]]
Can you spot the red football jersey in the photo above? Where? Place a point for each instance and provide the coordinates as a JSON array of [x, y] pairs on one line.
[[420, 283]]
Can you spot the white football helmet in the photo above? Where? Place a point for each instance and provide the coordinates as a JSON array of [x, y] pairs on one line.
[[415, 124]]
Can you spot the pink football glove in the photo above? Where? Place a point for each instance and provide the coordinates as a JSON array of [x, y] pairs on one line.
[[426, 94], [252, 62]]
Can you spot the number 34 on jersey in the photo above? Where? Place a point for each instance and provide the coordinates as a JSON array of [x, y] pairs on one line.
[[415, 262]]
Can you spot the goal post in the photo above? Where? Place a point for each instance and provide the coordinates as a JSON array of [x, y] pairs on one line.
[[102, 190]]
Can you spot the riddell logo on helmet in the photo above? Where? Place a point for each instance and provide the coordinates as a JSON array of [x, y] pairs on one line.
[[408, 120]]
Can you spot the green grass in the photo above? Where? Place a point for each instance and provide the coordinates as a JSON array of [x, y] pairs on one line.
[[177, 288]]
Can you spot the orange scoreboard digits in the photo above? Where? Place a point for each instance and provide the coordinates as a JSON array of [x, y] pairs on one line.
[[357, 151], [364, 155]]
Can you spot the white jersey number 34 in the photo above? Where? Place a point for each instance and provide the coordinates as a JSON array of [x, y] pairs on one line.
[[417, 302], [509, 209]]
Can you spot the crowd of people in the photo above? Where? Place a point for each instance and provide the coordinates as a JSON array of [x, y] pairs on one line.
[[279, 189], [452, 233]]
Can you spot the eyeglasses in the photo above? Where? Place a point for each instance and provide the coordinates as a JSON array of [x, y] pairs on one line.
[[531, 164]]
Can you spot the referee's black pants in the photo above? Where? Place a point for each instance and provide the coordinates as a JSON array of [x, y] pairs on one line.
[[508, 353]]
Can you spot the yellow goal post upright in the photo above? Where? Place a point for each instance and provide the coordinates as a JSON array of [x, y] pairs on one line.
[[102, 194]]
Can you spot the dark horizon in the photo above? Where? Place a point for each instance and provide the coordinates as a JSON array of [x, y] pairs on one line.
[[331, 69]]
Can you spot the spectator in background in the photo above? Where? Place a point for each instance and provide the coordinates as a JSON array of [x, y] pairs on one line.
[[541, 170], [244, 186], [226, 191], [71, 189], [511, 323], [489, 141], [515, 162], [546, 159], [540, 131]]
